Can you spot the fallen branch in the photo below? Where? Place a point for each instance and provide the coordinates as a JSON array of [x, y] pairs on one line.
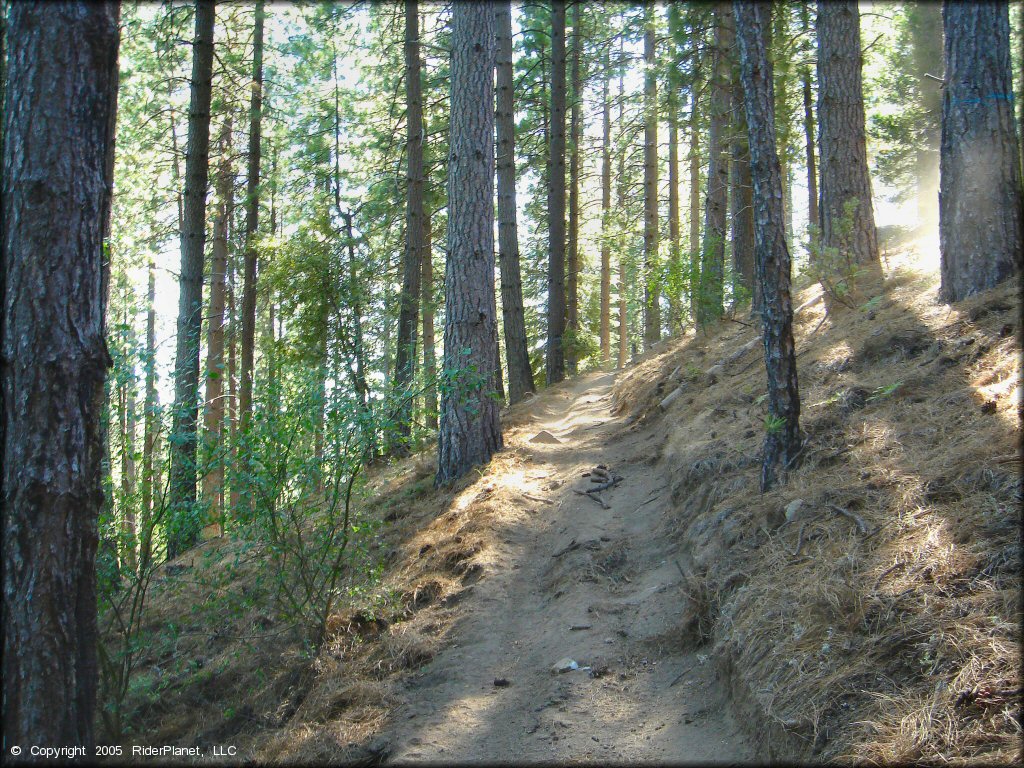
[[681, 675], [541, 499], [861, 525], [645, 503], [799, 541], [611, 482], [568, 548], [596, 499]]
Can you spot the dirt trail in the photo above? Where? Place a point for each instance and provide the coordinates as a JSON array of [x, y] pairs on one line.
[[656, 700]]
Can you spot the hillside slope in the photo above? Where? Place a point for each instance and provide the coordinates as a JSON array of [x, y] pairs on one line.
[[878, 619]]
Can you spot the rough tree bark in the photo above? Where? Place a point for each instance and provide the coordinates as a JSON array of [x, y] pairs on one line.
[[652, 268], [675, 267], [555, 354], [782, 442], [741, 199], [249, 273], [812, 172], [710, 299], [606, 208], [213, 420], [520, 376], [470, 430], [845, 183], [694, 156], [575, 137], [981, 213], [183, 525], [57, 176], [620, 199], [151, 402], [415, 233]]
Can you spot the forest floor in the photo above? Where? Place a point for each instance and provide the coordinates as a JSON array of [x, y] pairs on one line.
[[574, 580], [866, 610]]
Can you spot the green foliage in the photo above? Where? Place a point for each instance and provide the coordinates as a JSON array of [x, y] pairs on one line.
[[881, 393], [832, 266], [774, 425]]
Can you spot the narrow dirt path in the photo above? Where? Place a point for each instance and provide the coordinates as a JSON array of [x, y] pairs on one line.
[[573, 580]]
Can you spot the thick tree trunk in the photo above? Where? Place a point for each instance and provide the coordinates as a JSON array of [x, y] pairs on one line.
[[575, 136], [415, 233], [981, 214], [741, 200], [57, 176], [470, 430], [249, 272], [606, 207], [520, 376], [710, 299], [782, 443], [213, 481], [652, 268], [184, 525], [555, 354], [925, 22], [846, 209]]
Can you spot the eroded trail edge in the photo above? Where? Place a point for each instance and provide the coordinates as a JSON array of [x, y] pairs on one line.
[[565, 578]]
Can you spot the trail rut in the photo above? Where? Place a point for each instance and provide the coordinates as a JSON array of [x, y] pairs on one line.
[[572, 579]]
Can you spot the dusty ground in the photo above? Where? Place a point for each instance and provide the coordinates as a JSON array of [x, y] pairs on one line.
[[567, 578]]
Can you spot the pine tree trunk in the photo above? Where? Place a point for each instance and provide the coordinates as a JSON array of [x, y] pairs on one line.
[[427, 319], [782, 443], [358, 369], [675, 307], [213, 481], [232, 409], [981, 213], [520, 375], [741, 199], [151, 404], [56, 189], [470, 430], [606, 206], [415, 238], [555, 353], [925, 22], [710, 304], [184, 525], [846, 210], [694, 155], [128, 471], [575, 136], [620, 199], [813, 220], [252, 217], [652, 269]]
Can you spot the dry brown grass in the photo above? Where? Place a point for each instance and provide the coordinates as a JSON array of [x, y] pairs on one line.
[[899, 642]]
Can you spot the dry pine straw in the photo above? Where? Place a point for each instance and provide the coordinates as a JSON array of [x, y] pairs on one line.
[[240, 679], [901, 643], [894, 647]]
